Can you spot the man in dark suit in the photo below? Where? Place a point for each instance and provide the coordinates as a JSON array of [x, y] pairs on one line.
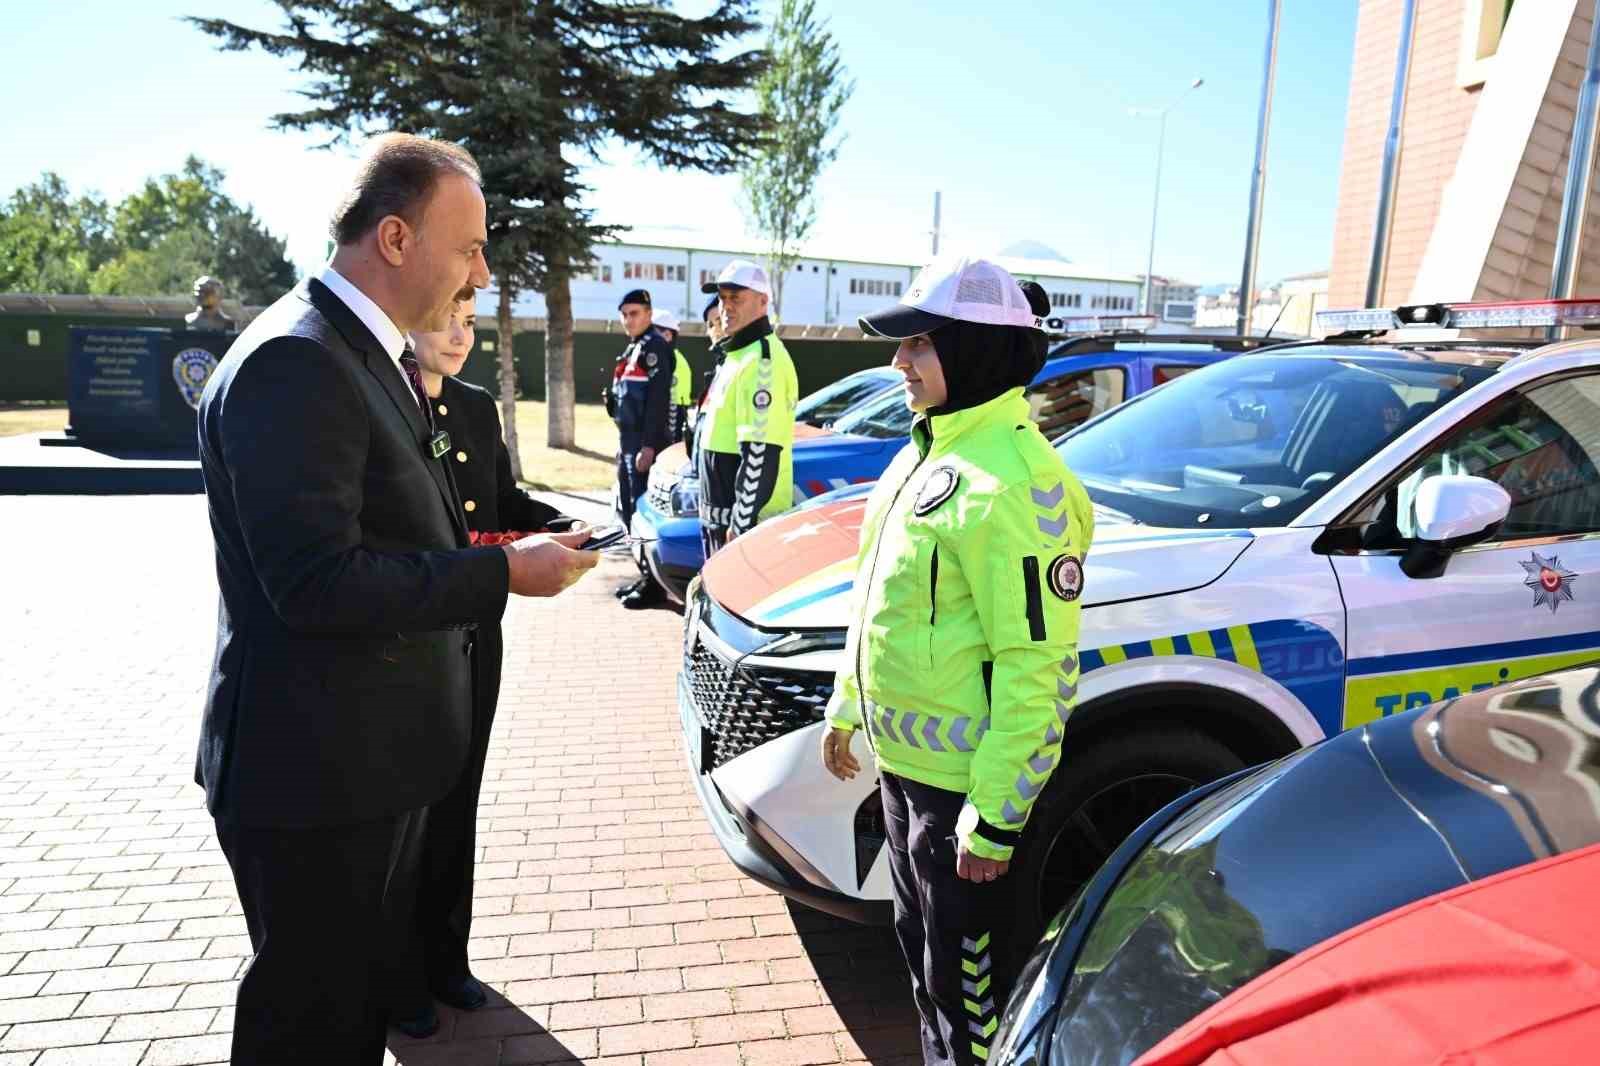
[[340, 700]]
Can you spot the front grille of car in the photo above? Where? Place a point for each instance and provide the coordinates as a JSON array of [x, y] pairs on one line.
[[660, 497], [743, 708]]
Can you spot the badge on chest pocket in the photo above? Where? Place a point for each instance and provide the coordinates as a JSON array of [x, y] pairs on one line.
[[937, 487], [438, 444]]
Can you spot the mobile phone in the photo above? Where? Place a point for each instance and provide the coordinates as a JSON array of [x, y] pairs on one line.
[[603, 538]]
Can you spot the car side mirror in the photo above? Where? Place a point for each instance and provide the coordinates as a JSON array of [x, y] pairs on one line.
[[1452, 511]]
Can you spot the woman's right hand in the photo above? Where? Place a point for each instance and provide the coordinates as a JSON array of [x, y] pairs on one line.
[[836, 755]]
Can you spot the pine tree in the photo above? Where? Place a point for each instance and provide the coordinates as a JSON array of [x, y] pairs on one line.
[[532, 88]]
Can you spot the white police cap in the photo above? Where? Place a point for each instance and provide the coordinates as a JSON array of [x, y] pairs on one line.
[[743, 274], [954, 288]]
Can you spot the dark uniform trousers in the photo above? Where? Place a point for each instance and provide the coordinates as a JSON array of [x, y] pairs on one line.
[[956, 934], [435, 951], [433, 926], [327, 897], [630, 482]]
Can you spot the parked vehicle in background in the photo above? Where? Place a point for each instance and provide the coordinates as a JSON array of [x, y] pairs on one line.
[[1080, 379], [1289, 543], [1234, 879], [820, 408]]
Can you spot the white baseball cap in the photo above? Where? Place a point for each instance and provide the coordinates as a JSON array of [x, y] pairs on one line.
[[743, 274], [664, 318], [954, 288]]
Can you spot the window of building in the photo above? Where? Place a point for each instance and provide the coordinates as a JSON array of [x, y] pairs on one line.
[[600, 272], [1482, 24], [656, 271]]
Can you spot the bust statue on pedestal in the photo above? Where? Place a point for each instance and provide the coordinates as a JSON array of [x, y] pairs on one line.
[[207, 314]]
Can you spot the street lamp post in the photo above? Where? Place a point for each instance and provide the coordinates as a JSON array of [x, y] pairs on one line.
[[1155, 200]]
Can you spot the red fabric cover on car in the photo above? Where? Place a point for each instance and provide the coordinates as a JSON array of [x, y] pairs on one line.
[[1501, 972]]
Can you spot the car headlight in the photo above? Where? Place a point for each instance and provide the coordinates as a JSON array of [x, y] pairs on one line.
[[686, 498]]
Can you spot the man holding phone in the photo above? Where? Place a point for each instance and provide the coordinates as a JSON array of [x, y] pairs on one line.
[[339, 702]]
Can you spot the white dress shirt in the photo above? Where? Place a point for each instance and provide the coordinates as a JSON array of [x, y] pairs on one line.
[[372, 316]]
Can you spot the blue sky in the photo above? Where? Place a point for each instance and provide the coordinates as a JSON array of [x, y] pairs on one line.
[[1017, 111]]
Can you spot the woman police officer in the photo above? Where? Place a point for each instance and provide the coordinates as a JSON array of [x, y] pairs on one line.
[[962, 653], [430, 953]]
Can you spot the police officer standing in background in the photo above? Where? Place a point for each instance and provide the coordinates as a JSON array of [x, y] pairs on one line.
[[640, 403], [745, 435], [682, 376], [963, 648]]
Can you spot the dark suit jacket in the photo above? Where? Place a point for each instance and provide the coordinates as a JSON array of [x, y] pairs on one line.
[[491, 499], [341, 690]]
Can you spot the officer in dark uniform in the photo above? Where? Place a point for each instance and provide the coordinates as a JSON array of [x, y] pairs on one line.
[[432, 955], [641, 400]]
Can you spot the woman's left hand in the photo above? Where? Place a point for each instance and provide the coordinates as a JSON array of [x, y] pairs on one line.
[[970, 867]]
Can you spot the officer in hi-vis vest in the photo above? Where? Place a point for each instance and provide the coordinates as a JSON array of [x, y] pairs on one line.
[[746, 430], [682, 375], [962, 652]]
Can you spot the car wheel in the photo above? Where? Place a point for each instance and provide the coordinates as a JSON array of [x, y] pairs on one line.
[[1099, 795]]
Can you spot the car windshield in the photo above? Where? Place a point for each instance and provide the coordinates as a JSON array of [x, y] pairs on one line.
[[883, 417], [1252, 441], [831, 401]]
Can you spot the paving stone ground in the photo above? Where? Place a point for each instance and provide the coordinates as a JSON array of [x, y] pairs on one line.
[[610, 925]]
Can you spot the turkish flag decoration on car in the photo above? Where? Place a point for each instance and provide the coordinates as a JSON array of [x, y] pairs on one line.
[[1500, 970]]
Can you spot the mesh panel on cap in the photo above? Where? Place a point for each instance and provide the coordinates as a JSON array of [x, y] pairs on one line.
[[979, 286]]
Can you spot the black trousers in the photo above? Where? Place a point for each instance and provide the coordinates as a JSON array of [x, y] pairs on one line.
[[315, 902], [431, 943], [630, 482], [956, 935]]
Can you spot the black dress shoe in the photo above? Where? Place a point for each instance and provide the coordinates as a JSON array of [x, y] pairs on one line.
[[421, 1025], [462, 993], [628, 590], [647, 595]]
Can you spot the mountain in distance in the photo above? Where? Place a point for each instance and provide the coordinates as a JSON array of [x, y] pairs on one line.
[[1033, 250]]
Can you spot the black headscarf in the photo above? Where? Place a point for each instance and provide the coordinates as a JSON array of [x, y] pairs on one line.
[[980, 362]]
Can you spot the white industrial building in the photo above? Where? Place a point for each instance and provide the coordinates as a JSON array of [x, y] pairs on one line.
[[818, 290]]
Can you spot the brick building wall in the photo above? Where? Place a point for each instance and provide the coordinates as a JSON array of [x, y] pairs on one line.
[[1522, 255], [1438, 113]]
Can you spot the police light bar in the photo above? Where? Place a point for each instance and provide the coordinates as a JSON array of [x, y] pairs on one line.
[[1524, 313], [1100, 324]]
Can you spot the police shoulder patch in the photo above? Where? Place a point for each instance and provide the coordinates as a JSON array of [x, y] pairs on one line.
[[650, 359], [762, 399], [937, 487], [1066, 577]]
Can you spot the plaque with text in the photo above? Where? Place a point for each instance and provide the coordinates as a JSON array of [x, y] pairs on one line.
[[114, 378]]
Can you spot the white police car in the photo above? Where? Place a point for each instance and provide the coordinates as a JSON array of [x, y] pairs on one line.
[[1289, 543]]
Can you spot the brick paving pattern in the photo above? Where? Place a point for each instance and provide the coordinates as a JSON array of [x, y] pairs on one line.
[[610, 925]]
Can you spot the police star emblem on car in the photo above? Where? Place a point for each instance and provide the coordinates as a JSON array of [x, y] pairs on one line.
[[1551, 583]]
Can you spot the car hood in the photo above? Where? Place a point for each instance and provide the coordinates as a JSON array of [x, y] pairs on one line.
[[1304, 849], [673, 462], [796, 570]]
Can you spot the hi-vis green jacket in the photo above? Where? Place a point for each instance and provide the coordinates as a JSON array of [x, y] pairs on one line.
[[682, 381], [962, 655], [746, 432]]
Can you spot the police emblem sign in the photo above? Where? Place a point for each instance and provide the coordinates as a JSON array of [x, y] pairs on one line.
[[191, 369]]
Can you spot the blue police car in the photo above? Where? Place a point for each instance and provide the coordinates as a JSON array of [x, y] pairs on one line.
[[1081, 378]]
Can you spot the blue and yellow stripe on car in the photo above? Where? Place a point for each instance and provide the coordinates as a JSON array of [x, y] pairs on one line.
[[1301, 656], [1382, 685]]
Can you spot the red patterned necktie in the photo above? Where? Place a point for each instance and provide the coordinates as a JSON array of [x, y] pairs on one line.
[[408, 363]]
